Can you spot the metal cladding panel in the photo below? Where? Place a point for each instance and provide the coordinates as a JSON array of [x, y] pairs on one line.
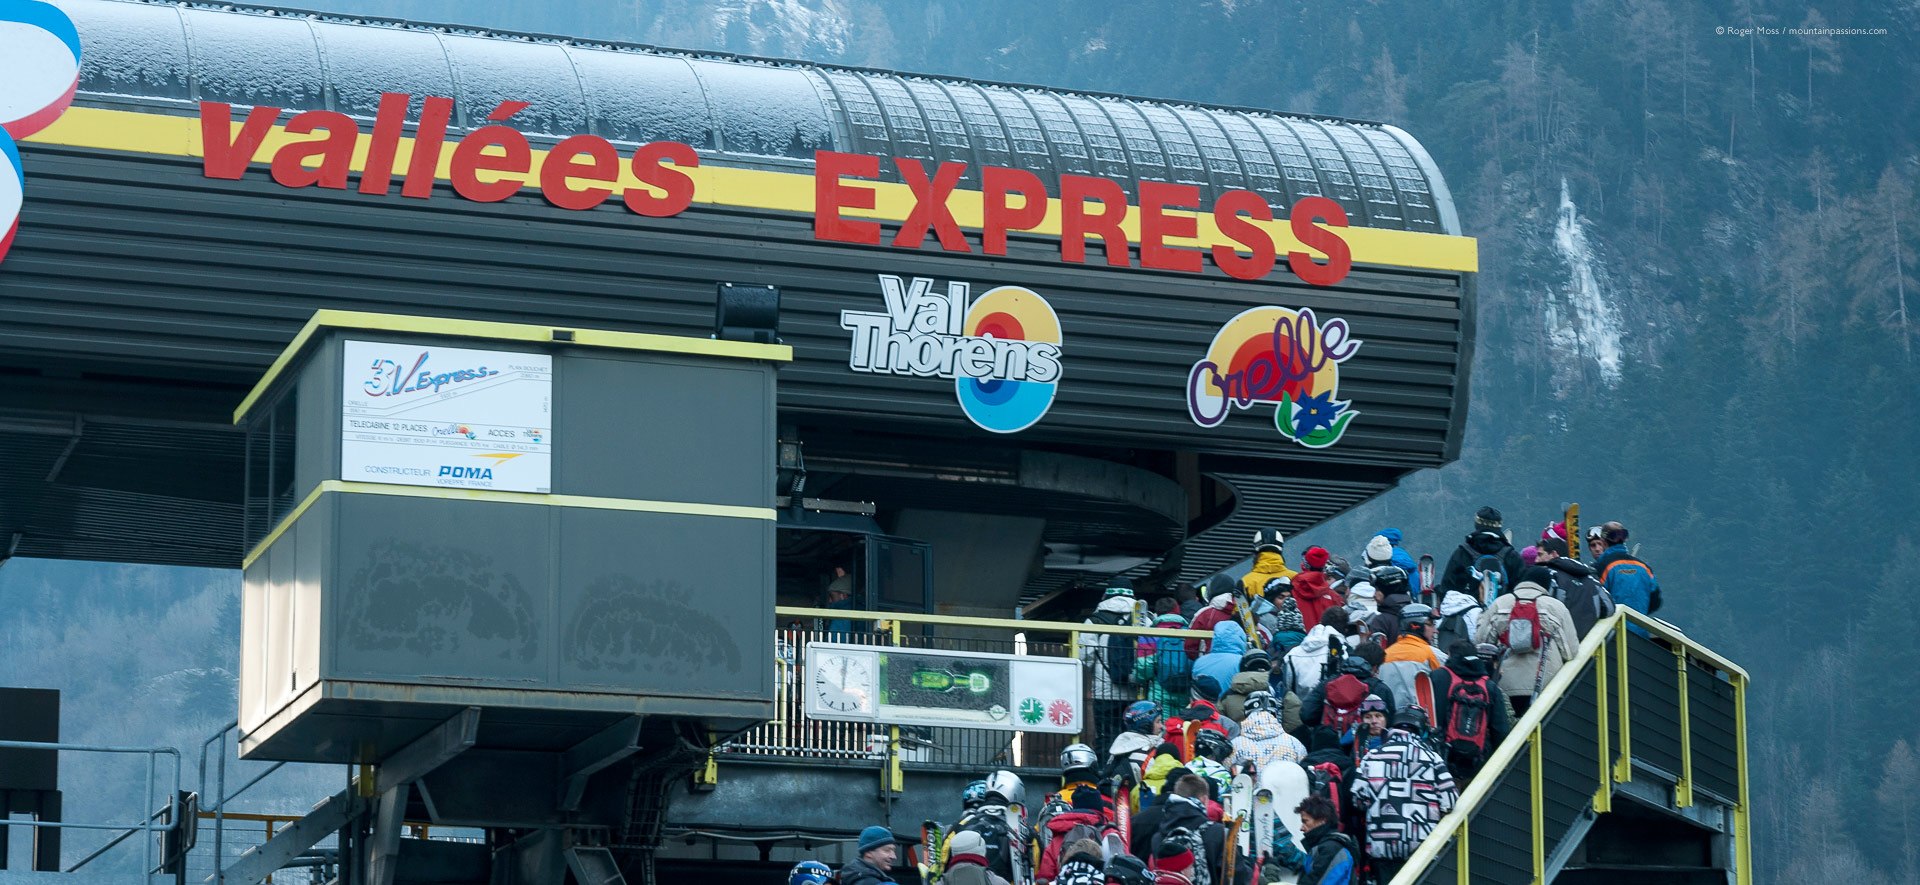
[[744, 111], [1655, 703], [660, 604], [1715, 733], [435, 589], [130, 262], [1500, 835], [639, 427]]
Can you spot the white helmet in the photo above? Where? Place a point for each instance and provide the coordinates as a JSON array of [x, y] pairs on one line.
[[1078, 756], [1006, 787]]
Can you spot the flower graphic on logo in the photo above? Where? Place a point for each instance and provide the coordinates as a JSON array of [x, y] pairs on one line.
[[1031, 711], [534, 434], [464, 430], [1315, 421], [1060, 713]]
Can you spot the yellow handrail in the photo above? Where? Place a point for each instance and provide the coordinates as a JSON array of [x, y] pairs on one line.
[[1524, 737], [1013, 624]]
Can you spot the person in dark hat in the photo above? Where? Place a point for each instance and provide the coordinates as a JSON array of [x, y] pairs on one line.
[[873, 861], [1489, 538]]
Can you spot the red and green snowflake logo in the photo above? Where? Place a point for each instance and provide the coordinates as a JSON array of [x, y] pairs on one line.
[[1060, 713]]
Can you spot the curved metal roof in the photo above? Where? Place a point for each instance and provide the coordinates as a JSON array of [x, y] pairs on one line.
[[747, 111]]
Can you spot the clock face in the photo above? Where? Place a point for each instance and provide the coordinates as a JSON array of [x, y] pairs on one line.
[[842, 682]]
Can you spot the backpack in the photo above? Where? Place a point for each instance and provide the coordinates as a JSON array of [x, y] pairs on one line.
[[997, 835], [1453, 628], [1523, 627], [1192, 841], [1172, 669], [1116, 649], [1468, 701], [1324, 780], [1338, 713]]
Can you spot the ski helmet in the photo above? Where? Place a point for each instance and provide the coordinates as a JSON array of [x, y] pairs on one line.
[[1411, 718], [1614, 533], [1140, 716], [974, 796], [1269, 540], [1255, 659], [1216, 773], [1338, 569], [1258, 701], [809, 872], [1078, 756], [1390, 579], [1416, 613], [1006, 787], [1277, 585], [1596, 533], [1213, 745], [1128, 870], [1373, 703]]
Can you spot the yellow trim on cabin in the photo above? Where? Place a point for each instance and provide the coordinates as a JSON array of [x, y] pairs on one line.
[[179, 136], [389, 322], [338, 486]]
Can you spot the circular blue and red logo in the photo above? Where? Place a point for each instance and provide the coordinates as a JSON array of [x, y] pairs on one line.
[[39, 70], [1024, 377]]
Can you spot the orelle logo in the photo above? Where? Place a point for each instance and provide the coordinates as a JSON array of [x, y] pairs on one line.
[[1280, 356], [39, 70], [1002, 349]]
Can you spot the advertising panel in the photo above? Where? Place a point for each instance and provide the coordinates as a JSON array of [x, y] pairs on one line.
[[447, 417], [897, 686]]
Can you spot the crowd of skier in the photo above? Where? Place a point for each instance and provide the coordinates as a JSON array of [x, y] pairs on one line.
[[1317, 737]]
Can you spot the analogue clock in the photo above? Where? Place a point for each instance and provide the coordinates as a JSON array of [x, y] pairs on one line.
[[843, 682]]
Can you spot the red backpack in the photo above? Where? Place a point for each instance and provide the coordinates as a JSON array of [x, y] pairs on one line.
[[1324, 780], [1523, 627], [1468, 701], [1344, 696]]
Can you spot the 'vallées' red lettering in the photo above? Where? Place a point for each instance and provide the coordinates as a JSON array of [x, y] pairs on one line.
[[497, 149]]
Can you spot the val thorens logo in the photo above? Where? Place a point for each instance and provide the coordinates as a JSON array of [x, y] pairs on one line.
[[39, 70], [1002, 349], [1280, 356]]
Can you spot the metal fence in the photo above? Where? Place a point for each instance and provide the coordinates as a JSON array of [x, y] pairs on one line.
[[151, 817], [793, 735]]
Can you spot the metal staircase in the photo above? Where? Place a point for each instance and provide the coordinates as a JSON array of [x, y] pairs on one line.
[[1630, 767]]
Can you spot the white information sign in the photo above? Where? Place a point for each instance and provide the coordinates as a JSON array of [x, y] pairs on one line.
[[426, 415], [902, 686]]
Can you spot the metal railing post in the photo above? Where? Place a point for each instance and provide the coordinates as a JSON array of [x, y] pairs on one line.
[[1742, 826], [1603, 797], [1539, 825], [220, 810], [1683, 791], [896, 776], [1460, 856], [146, 836], [1623, 766]]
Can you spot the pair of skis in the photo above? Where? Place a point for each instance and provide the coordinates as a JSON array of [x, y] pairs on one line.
[[931, 862], [1236, 810]]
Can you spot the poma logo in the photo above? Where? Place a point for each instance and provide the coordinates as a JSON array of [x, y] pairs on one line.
[[466, 472], [1280, 356], [1002, 349]]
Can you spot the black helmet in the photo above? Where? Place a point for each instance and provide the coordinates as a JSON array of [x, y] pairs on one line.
[[1356, 665], [1128, 870], [1412, 717], [1390, 579], [1213, 745], [1255, 659], [1269, 540], [1416, 613]]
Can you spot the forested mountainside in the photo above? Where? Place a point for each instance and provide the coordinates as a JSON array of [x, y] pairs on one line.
[[1698, 237]]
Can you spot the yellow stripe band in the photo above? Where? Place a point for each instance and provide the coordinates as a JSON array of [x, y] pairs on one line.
[[386, 322], [332, 486], [178, 136]]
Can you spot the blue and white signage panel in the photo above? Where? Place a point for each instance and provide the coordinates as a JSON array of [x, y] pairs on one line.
[[427, 415]]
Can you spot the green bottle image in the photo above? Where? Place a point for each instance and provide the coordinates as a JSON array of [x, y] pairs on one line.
[[940, 680]]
